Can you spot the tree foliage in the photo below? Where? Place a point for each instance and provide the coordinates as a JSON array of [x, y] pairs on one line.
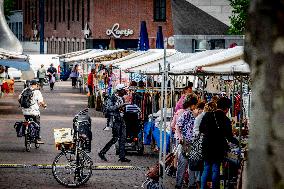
[[239, 16], [8, 7]]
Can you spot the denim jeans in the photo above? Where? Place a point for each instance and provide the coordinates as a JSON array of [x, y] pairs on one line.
[[181, 168], [215, 167]]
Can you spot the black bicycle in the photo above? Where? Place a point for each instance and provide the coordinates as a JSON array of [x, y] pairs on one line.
[[72, 167], [31, 133]]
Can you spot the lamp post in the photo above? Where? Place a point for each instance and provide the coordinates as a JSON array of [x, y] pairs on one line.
[[41, 26]]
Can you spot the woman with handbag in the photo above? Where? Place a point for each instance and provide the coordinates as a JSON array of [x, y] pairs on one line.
[[184, 133], [216, 129]]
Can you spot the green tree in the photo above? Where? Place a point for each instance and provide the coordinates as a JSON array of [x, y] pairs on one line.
[[8, 7], [239, 16]]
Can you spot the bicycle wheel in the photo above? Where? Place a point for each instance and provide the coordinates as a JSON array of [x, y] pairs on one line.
[[36, 145], [69, 172], [28, 143]]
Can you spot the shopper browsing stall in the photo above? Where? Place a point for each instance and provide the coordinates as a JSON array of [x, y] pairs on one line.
[[186, 91], [216, 128]]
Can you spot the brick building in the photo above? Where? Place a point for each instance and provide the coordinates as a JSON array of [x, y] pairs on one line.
[[68, 22]]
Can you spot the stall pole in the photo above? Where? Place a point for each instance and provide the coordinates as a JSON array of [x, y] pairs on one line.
[[241, 116], [203, 87], [165, 112], [233, 96], [161, 128], [152, 96], [119, 75]]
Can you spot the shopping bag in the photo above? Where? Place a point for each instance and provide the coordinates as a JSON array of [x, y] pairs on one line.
[[195, 158]]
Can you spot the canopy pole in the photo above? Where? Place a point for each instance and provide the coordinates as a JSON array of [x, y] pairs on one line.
[[161, 128], [165, 112], [241, 116]]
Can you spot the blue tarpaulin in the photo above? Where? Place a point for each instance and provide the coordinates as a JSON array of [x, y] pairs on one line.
[[151, 131], [19, 64]]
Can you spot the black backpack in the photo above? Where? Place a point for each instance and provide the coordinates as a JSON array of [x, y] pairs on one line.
[[26, 98]]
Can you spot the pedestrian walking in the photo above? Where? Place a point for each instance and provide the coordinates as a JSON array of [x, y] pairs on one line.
[[74, 75], [91, 87], [114, 108], [41, 76], [51, 71], [30, 101]]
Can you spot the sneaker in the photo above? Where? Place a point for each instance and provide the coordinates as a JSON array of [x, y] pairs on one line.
[[124, 160], [102, 156], [106, 128], [39, 142]]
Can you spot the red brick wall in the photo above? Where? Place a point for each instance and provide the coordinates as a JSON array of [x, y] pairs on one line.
[[129, 14], [103, 15]]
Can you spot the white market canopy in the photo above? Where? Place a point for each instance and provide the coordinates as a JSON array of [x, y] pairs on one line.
[[227, 61], [221, 61], [177, 60], [140, 58], [91, 55]]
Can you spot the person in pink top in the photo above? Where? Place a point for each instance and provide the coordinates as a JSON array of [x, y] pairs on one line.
[[186, 91]]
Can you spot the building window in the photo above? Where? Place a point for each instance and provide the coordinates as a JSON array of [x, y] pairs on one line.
[[78, 9], [59, 47], [46, 10], [51, 6], [160, 10], [83, 45], [51, 47], [73, 46], [55, 47], [78, 45], [26, 12], [83, 14], [73, 10], [29, 13], [59, 12], [20, 31], [68, 47], [64, 47], [68, 16], [88, 10], [36, 11], [63, 3], [55, 15]]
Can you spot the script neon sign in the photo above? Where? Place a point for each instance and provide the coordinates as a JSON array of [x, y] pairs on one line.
[[117, 33]]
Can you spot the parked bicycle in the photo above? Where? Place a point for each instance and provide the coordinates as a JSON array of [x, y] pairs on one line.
[[72, 167]]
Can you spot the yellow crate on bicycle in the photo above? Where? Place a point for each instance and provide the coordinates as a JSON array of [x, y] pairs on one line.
[[63, 136]]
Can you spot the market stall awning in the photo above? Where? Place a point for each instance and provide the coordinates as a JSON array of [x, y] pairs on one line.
[[92, 55], [228, 60], [154, 66], [72, 54], [128, 57], [19, 64], [150, 56], [175, 61]]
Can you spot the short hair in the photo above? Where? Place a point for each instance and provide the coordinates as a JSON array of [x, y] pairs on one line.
[[190, 84], [189, 100], [210, 107], [200, 105], [223, 103]]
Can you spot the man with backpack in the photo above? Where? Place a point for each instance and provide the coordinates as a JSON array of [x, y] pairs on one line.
[[30, 100], [114, 106], [51, 71]]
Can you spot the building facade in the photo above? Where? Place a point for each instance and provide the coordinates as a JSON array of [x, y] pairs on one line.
[[72, 25]]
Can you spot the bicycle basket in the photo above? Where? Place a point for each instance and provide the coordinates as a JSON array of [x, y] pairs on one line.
[[63, 136]]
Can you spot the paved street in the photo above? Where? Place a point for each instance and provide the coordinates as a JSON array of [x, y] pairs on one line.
[[63, 103]]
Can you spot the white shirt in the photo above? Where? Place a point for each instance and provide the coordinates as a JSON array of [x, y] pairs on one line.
[[34, 108], [197, 122]]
